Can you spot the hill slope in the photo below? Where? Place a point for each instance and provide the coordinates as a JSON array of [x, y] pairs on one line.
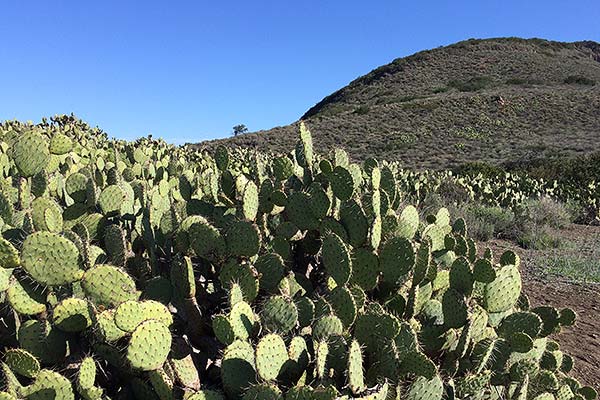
[[493, 100]]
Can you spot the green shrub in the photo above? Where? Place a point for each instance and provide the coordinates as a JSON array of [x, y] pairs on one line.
[[579, 80], [485, 222], [471, 85]]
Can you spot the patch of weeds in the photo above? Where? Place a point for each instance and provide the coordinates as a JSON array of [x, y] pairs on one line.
[[537, 237], [579, 80], [471, 85], [470, 132], [362, 110], [440, 89], [579, 269], [485, 222], [524, 81]]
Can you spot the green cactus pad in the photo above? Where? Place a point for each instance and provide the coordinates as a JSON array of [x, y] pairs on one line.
[[182, 364], [22, 362], [263, 391], [5, 278], [162, 384], [9, 256], [46, 215], [336, 259], [250, 201], [149, 345], [483, 271], [271, 355], [107, 328], [49, 385], [72, 315], [461, 276], [111, 200], [128, 315], [326, 327], [343, 305], [10, 382], [550, 319], [283, 168], [454, 308], [222, 329], [25, 298], [365, 268], [86, 376], [397, 258], [182, 278], [115, 244], [306, 311], [417, 363], [237, 368], [279, 314], [30, 153], [243, 239], [299, 359], [355, 222], [243, 320], [502, 293], [526, 322], [51, 259], [43, 341], [108, 285], [409, 222], [425, 389], [235, 294], [567, 317], [342, 183], [243, 275], [271, 269], [355, 368]]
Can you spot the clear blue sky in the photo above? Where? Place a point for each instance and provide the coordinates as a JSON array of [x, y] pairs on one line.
[[190, 70]]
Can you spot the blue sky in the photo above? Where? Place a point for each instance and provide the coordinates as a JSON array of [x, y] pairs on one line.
[[191, 70]]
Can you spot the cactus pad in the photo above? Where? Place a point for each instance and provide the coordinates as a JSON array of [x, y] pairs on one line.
[[336, 259], [51, 259], [355, 368], [22, 362], [243, 239], [51, 382], [149, 345], [397, 258], [504, 291], [9, 256], [25, 298], [271, 355], [72, 315], [279, 314], [30, 153], [109, 285]]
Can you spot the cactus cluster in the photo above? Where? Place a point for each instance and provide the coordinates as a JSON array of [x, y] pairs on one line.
[[145, 271]]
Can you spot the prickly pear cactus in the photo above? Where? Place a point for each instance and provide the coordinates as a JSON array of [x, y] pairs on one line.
[[147, 271]]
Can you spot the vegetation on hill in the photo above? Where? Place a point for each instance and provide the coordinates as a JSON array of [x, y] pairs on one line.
[[493, 100]]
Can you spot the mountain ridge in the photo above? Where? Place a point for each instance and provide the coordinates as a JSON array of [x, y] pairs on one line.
[[492, 100]]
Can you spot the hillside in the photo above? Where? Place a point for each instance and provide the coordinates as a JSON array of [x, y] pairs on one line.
[[492, 100]]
